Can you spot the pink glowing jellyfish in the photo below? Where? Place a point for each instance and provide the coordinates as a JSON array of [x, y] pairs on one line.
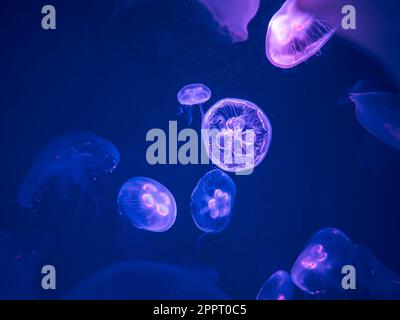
[[147, 204], [233, 16], [236, 135], [191, 95], [294, 36], [278, 287]]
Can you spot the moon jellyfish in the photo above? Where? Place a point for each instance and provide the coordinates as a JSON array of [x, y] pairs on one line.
[[379, 114], [147, 204], [236, 134], [233, 16], [192, 95], [70, 159], [318, 268], [146, 281], [212, 201], [294, 36], [278, 287]]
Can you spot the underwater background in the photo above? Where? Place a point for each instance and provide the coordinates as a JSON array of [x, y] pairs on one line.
[[114, 68]]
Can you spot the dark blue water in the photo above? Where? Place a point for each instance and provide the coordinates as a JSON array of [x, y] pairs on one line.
[[118, 76]]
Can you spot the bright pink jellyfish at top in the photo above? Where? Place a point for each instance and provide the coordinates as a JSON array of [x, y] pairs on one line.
[[233, 16], [294, 36], [236, 134], [147, 204]]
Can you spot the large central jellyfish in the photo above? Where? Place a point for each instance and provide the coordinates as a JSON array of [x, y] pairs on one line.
[[70, 159], [191, 95], [212, 201], [236, 134], [294, 36], [147, 204]]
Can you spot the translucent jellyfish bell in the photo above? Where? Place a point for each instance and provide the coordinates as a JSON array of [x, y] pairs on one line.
[[278, 287], [233, 15], [70, 159], [236, 134], [318, 268], [147, 204], [379, 114], [212, 201], [195, 94], [294, 36]]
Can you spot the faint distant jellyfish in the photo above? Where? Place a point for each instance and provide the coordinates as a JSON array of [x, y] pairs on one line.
[[379, 114], [147, 204], [278, 287], [193, 95], [141, 280], [74, 158], [233, 16], [294, 36], [236, 134], [318, 268], [212, 201]]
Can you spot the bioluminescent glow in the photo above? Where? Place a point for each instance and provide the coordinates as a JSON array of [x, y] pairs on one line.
[[233, 16], [192, 95], [294, 36], [318, 267], [147, 204], [236, 134], [70, 159], [379, 114], [277, 287], [212, 201]]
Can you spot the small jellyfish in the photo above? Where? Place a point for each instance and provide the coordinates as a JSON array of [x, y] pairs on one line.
[[74, 158], [195, 94], [278, 287], [233, 16], [294, 36], [317, 270], [379, 114], [141, 280], [236, 134], [147, 204], [212, 201]]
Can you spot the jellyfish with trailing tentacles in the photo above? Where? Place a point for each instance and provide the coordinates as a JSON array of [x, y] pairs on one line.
[[192, 95], [72, 159], [233, 16], [141, 280], [147, 204], [379, 114], [278, 287], [236, 134], [212, 201], [317, 270], [293, 36]]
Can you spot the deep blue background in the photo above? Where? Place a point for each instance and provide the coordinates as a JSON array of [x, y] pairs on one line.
[[117, 74]]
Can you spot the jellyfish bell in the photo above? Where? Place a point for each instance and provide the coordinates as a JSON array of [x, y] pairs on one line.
[[317, 270], [147, 204], [294, 36], [212, 201], [236, 134], [233, 16], [192, 95], [74, 158], [278, 286]]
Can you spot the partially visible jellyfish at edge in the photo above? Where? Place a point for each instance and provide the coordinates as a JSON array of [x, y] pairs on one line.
[[212, 201], [379, 114], [72, 159], [236, 134], [233, 16], [294, 36], [193, 95], [147, 204], [278, 286]]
